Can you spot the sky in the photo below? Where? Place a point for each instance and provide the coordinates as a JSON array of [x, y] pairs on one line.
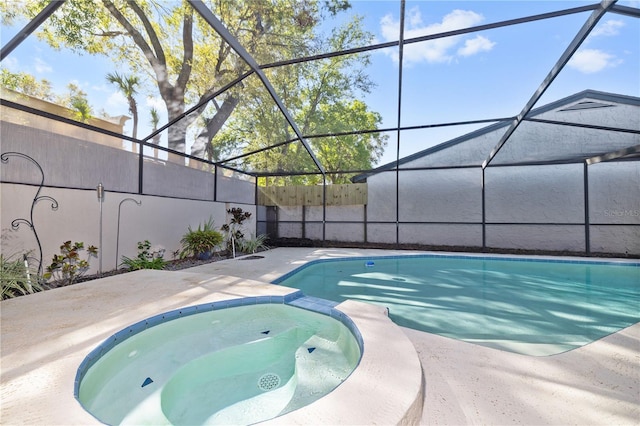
[[483, 75]]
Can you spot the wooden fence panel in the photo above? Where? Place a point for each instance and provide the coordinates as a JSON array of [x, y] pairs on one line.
[[337, 195]]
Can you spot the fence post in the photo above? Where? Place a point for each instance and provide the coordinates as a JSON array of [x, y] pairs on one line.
[[587, 236], [140, 167]]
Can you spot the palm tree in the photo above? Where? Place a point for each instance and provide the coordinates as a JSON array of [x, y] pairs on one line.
[[155, 119], [127, 85], [77, 102]]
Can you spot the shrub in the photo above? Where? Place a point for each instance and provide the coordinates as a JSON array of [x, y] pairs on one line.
[[67, 266], [253, 244], [203, 240], [146, 258], [16, 278], [233, 230]]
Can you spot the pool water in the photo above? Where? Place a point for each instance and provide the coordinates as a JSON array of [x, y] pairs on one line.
[[530, 306], [238, 365]]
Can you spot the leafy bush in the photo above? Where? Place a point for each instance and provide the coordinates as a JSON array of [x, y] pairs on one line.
[[16, 278], [253, 244], [146, 258], [233, 229], [67, 266], [203, 240]]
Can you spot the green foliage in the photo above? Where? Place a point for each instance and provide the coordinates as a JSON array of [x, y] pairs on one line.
[[27, 84], [146, 259], [323, 98], [128, 86], [202, 240], [235, 224], [16, 278], [67, 266], [76, 100], [233, 229], [172, 48], [253, 244]]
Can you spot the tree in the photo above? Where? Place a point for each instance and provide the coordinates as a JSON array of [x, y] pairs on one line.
[[27, 84], [76, 100], [188, 61], [155, 120], [183, 55], [323, 98], [127, 85]]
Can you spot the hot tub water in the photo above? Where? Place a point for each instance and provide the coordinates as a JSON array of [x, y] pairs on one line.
[[237, 365]]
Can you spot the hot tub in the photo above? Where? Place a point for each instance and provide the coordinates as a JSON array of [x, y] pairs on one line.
[[214, 364]]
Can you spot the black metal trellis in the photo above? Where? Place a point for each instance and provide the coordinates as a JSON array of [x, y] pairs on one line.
[[15, 224]]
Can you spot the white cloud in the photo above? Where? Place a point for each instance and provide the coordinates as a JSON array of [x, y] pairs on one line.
[[117, 100], [608, 28], [589, 61], [155, 102], [10, 63], [439, 50], [41, 66], [475, 45]]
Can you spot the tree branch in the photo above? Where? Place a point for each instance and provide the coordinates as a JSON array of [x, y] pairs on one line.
[[158, 63], [187, 43]]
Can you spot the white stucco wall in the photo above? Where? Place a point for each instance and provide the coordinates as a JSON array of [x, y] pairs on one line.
[[381, 233], [161, 220], [335, 228], [551, 194], [614, 198], [381, 197], [470, 152], [453, 195], [614, 193], [442, 235], [537, 237], [290, 222]]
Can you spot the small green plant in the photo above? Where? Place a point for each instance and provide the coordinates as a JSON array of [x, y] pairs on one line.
[[67, 266], [17, 278], [200, 242], [253, 244], [146, 258]]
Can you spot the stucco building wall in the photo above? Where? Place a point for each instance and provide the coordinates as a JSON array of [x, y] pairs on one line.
[[161, 220]]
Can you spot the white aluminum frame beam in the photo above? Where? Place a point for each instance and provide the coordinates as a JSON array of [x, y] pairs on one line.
[[610, 156]]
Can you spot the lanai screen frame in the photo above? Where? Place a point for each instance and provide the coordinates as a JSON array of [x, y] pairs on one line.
[[598, 10]]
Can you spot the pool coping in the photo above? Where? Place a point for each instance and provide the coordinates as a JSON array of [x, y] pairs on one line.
[[477, 256], [466, 383], [46, 337]]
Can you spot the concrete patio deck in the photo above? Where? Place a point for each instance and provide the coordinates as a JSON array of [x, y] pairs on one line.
[[598, 384]]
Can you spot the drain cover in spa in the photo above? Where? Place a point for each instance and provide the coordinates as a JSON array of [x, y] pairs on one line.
[[268, 381]]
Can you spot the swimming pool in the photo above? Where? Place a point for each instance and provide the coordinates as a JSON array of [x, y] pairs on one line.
[[533, 306], [215, 364]]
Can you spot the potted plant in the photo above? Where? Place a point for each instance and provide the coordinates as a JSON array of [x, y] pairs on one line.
[[201, 242]]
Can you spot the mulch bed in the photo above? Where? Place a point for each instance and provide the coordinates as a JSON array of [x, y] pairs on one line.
[[178, 264], [171, 265]]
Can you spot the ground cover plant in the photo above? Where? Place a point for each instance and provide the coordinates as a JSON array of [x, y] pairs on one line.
[[146, 258], [16, 277], [68, 266]]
